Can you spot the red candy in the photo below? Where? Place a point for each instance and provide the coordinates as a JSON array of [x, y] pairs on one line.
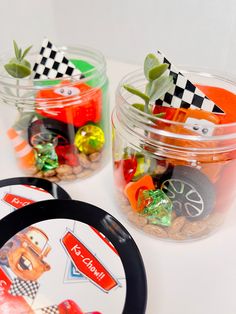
[[67, 154], [69, 307], [75, 104], [127, 167]]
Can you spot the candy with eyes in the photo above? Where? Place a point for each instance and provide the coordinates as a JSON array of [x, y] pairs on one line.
[[200, 126], [73, 103]]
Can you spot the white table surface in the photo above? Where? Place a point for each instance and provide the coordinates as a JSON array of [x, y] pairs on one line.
[[186, 278]]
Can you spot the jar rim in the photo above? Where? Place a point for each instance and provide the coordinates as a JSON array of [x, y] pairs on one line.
[[144, 118]]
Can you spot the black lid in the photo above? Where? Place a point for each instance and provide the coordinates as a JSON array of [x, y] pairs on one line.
[[52, 188], [69, 220]]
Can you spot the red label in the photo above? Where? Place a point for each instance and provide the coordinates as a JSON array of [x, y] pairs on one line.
[[16, 201], [87, 263], [5, 282]]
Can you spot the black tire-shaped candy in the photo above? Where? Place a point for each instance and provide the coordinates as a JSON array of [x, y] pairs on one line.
[[192, 193], [64, 132]]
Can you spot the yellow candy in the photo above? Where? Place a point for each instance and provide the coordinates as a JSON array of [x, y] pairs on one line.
[[89, 139], [143, 165]]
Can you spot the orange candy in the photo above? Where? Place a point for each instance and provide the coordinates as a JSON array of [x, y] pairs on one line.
[[75, 104], [224, 99], [132, 190]]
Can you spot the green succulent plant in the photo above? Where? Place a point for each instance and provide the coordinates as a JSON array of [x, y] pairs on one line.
[[18, 66], [158, 84]]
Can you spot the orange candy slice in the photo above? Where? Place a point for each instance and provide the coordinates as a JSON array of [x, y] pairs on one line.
[[132, 190]]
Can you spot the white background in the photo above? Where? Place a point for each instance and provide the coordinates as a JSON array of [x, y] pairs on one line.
[[190, 32], [193, 278]]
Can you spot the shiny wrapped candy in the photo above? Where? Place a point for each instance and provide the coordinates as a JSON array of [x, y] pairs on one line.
[[156, 206], [89, 139], [46, 157]]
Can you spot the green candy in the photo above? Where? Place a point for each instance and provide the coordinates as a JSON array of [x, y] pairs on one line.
[[158, 207], [46, 157]]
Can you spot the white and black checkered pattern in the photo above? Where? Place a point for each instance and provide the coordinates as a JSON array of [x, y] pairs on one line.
[[184, 94], [53, 309], [52, 63], [21, 287]]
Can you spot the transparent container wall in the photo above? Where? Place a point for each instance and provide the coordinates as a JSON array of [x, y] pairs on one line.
[[57, 129], [173, 187]]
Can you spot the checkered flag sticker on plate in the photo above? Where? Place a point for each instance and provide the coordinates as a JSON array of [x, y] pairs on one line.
[[52, 63], [184, 94], [21, 287]]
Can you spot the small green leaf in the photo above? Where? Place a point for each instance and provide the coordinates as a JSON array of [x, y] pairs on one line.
[[26, 52], [18, 67], [17, 70], [139, 106], [19, 54], [150, 61], [136, 92], [155, 72], [160, 87], [16, 49]]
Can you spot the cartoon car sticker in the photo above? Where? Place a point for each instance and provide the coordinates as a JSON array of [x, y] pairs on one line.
[[27, 257]]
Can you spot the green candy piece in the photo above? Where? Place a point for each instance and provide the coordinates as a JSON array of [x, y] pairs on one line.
[[46, 157], [82, 65], [158, 207], [85, 67]]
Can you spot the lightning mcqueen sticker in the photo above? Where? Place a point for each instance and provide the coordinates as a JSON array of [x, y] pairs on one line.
[[84, 260]]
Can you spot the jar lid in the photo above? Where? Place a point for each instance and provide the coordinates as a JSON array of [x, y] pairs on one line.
[[18, 192], [66, 256]]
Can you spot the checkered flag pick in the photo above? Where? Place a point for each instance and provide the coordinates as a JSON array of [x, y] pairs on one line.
[[52, 63], [184, 94], [53, 309], [21, 287]]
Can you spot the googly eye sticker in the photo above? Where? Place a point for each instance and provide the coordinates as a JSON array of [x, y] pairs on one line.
[[67, 91], [200, 126]]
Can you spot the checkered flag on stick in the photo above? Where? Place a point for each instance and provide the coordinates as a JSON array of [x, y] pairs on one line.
[[53, 309], [21, 287], [52, 63], [184, 94]]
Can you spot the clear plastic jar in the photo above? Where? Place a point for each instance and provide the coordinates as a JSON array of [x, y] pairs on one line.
[[171, 181], [58, 129]]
